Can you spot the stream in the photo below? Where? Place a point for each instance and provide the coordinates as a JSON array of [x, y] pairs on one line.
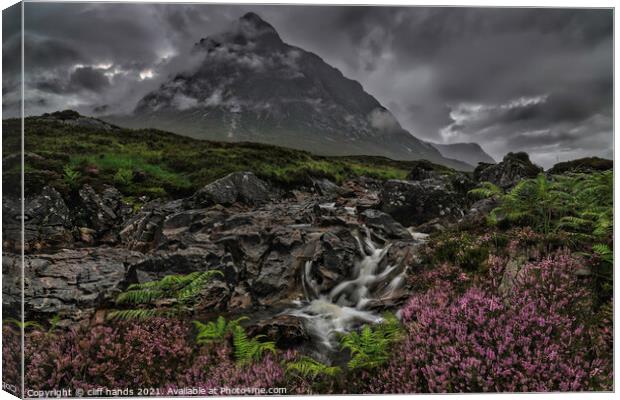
[[344, 308]]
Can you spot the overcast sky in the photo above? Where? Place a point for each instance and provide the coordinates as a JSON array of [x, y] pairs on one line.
[[537, 80]]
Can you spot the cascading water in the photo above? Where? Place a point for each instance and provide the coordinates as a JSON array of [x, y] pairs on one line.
[[344, 307]]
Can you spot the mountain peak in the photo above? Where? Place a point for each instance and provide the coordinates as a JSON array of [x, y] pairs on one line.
[[252, 25], [252, 86], [253, 18]]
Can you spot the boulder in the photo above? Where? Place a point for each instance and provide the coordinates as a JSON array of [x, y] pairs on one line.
[[413, 203], [71, 282], [48, 222], [104, 211], [423, 170], [376, 219], [325, 187], [143, 231], [243, 187], [513, 168], [333, 258], [478, 212]]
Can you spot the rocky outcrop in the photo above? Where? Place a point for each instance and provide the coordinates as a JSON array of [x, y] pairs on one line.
[[71, 282], [260, 241], [103, 212], [587, 164], [243, 187], [48, 222], [513, 168], [414, 203]]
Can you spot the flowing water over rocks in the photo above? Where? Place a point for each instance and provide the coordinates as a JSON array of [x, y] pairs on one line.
[[345, 307]]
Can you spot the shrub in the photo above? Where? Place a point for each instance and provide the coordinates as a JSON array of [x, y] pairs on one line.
[[11, 355], [536, 338], [149, 354], [156, 353]]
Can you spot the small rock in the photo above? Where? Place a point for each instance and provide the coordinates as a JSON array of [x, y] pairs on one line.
[[87, 235]]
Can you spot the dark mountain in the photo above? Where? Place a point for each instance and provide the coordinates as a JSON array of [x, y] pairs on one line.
[[471, 153], [251, 86]]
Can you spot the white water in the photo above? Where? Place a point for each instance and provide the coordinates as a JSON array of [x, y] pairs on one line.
[[344, 307]]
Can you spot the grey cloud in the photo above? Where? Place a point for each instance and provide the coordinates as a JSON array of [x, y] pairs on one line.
[[89, 78]]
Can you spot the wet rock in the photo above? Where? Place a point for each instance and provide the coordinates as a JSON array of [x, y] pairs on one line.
[[513, 168], [277, 279], [286, 330], [325, 187], [243, 187], [159, 263], [432, 226], [240, 299], [214, 296], [143, 231], [87, 235], [479, 211], [103, 211], [384, 222], [423, 170], [48, 222], [333, 258], [72, 283], [413, 203]]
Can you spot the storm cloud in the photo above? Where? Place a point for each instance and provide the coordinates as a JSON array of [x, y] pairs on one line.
[[536, 80]]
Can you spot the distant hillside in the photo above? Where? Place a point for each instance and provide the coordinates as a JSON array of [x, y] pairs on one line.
[[471, 153], [65, 149]]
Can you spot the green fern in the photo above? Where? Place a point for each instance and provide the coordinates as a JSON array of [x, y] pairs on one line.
[[214, 331], [249, 349], [604, 253], [23, 324], [71, 176], [370, 347], [536, 202], [307, 367], [181, 290], [486, 190], [138, 314]]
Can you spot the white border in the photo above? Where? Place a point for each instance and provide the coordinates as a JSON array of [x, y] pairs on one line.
[[481, 3]]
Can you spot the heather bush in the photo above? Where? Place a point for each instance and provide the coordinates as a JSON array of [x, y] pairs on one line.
[[151, 353], [156, 353], [538, 337], [215, 367], [11, 355]]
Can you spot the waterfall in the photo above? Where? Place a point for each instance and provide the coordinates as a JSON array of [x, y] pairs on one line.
[[344, 307]]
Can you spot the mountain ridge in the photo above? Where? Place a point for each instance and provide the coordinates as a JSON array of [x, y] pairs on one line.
[[471, 153]]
